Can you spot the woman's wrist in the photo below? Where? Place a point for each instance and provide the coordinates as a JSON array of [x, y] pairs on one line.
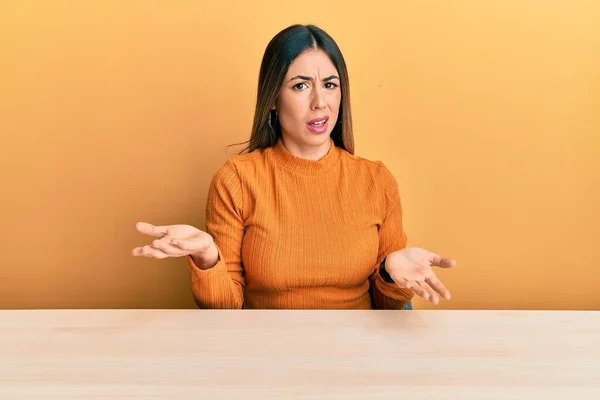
[[206, 259], [383, 272]]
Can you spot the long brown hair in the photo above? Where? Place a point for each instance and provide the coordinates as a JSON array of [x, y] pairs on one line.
[[281, 51]]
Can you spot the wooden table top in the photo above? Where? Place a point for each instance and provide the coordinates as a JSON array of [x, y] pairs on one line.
[[276, 354]]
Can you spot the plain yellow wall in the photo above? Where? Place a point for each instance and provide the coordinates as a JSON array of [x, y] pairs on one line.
[[116, 111]]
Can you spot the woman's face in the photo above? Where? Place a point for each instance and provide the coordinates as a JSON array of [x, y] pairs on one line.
[[308, 104]]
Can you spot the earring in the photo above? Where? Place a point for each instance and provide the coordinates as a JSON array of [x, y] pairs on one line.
[[271, 123]]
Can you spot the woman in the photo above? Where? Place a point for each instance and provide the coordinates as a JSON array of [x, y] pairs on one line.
[[297, 220]]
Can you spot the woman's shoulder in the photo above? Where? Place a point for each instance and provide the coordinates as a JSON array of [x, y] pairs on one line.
[[245, 160], [235, 164], [376, 174], [375, 167]]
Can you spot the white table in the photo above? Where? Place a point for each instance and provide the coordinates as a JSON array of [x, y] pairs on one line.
[[251, 354]]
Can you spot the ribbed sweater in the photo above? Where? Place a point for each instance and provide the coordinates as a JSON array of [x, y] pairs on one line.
[[294, 233]]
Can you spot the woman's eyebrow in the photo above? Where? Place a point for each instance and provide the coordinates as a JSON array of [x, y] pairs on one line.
[[308, 78]]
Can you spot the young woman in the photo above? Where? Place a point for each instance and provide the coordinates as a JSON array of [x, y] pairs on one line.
[[297, 221]]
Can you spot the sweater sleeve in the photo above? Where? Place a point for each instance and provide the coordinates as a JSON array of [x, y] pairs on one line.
[[222, 286], [391, 238]]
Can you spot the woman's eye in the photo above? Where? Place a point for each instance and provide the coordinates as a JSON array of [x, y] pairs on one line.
[[298, 86], [330, 85]]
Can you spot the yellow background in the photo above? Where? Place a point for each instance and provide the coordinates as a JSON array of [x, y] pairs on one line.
[[116, 111]]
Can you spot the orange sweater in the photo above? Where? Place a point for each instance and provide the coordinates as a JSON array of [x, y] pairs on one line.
[[300, 234]]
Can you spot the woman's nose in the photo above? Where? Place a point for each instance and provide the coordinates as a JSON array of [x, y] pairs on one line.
[[318, 100]]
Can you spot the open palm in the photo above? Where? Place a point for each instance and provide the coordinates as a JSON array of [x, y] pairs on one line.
[[172, 241], [412, 268]]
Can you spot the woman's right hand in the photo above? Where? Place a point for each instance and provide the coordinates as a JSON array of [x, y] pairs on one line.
[[178, 241]]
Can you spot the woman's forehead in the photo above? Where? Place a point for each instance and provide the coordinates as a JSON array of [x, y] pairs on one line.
[[312, 63]]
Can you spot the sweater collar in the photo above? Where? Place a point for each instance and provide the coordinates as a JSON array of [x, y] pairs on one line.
[[302, 165]]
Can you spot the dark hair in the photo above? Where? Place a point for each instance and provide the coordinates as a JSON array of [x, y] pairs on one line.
[[281, 51]]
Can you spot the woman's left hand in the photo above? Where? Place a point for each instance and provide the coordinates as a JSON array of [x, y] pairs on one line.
[[412, 268]]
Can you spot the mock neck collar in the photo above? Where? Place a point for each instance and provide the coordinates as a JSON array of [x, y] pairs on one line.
[[303, 165]]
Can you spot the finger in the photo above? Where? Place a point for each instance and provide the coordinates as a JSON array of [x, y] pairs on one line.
[[151, 230], [442, 262], [402, 283], [433, 297], [418, 290], [149, 251], [439, 287], [169, 249]]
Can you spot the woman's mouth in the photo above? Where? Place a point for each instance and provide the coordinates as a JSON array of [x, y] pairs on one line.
[[318, 125]]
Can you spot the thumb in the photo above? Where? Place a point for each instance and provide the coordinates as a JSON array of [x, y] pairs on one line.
[[442, 262]]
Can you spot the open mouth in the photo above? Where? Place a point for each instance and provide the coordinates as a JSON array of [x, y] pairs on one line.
[[318, 125]]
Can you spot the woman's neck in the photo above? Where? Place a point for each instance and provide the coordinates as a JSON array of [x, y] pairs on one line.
[[307, 152]]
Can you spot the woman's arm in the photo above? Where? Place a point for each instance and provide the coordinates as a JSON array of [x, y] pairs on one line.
[[391, 238], [222, 286]]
